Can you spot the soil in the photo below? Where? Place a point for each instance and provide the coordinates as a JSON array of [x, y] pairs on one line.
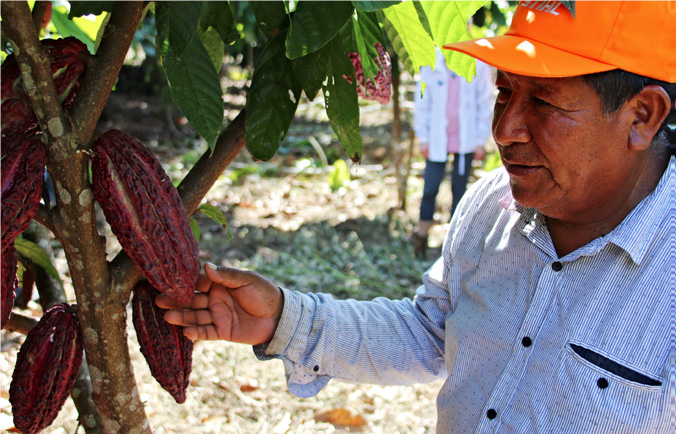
[[281, 215]]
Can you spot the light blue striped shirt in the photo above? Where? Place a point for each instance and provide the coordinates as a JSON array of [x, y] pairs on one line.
[[528, 342]]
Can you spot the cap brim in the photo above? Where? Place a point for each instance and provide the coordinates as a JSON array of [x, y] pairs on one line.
[[518, 55]]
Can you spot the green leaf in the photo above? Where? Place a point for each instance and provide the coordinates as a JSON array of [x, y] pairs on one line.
[[314, 24], [192, 78], [448, 23], [195, 229], [218, 15], [410, 40], [367, 33], [80, 8], [272, 100], [373, 6], [269, 15], [214, 46], [37, 255], [67, 27], [341, 102], [311, 70], [216, 215]]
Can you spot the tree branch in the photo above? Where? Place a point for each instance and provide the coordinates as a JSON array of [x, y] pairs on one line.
[[103, 70]]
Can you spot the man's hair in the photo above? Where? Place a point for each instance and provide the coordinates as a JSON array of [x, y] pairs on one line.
[[615, 87]]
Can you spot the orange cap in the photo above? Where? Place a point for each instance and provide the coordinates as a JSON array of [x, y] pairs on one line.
[[545, 40]]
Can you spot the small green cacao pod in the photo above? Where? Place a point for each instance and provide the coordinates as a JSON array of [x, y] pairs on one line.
[[46, 369], [23, 169], [145, 213], [9, 282], [166, 350]]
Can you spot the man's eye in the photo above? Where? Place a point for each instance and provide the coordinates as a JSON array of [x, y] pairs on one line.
[[542, 102], [503, 93]]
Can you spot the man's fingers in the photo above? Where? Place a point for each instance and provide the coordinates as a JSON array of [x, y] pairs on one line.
[[200, 301], [201, 333], [228, 277], [188, 317]]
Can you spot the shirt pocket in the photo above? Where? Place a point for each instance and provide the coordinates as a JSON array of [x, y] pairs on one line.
[[602, 394]]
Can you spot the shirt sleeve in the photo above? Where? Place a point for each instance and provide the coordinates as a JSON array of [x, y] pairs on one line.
[[382, 341]]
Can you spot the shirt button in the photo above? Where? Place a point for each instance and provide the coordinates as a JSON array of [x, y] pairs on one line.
[[526, 341], [602, 383], [491, 414], [557, 266]]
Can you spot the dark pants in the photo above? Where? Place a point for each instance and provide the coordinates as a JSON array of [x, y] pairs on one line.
[[434, 174]]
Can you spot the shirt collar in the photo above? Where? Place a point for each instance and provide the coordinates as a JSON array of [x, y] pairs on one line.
[[634, 234]]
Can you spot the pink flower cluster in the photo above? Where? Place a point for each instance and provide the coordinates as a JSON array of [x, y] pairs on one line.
[[381, 90]]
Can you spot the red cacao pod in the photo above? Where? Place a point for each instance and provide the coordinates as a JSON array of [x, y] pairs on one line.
[[67, 70], [382, 88], [23, 170], [46, 369], [146, 214], [9, 282], [165, 348]]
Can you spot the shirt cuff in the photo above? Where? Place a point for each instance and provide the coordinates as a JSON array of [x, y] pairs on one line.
[[296, 320]]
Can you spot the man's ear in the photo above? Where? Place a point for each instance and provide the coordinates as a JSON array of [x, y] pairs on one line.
[[651, 106]]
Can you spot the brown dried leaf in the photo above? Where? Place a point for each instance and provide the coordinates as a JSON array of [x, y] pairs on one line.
[[342, 418]]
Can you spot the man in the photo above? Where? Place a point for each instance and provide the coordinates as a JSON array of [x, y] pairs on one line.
[[452, 116], [552, 307]]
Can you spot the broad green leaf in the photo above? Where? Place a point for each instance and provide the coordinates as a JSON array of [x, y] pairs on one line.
[[67, 27], [190, 72], [38, 256], [82, 8], [214, 45], [367, 33], [269, 15], [410, 40], [312, 70], [314, 24], [272, 100], [448, 23], [217, 14], [373, 6], [341, 102]]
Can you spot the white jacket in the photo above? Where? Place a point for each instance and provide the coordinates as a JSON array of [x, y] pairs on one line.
[[475, 112]]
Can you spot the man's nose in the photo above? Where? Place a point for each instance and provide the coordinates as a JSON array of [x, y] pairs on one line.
[[510, 124]]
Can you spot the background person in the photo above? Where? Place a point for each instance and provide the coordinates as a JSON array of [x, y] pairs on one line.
[[451, 117]]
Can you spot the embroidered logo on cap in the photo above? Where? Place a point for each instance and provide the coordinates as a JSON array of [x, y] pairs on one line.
[[544, 6]]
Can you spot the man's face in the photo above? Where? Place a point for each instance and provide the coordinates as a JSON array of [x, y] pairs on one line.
[[563, 156]]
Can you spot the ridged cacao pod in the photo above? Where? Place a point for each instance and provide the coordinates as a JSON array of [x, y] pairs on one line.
[[9, 282], [67, 70], [165, 348], [146, 214], [23, 170], [46, 369]]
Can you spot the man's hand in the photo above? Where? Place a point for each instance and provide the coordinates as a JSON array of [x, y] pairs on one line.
[[479, 153], [234, 305], [425, 150]]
